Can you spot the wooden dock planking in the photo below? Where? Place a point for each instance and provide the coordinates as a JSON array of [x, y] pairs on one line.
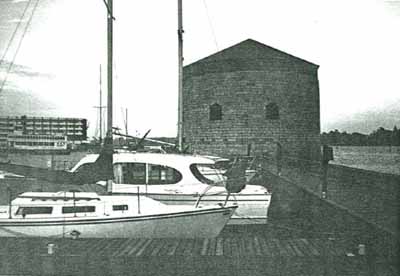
[[288, 248], [112, 246], [130, 243], [340, 247], [198, 245], [273, 247], [266, 250], [220, 246], [132, 250], [257, 246], [224, 255], [166, 245], [212, 247], [203, 251], [280, 249], [309, 247], [227, 247], [98, 244], [149, 248], [187, 247], [173, 246], [143, 248], [235, 248], [324, 247], [295, 248], [247, 245], [156, 249], [219, 249], [317, 245]]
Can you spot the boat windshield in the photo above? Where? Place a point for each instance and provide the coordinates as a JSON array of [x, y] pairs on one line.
[[207, 173]]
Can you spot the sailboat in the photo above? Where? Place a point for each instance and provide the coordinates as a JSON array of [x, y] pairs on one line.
[[92, 215], [176, 179], [89, 215], [173, 179]]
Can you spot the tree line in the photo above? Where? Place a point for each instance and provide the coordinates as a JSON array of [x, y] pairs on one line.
[[379, 137]]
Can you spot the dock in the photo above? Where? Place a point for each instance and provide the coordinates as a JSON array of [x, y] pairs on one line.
[[225, 255]]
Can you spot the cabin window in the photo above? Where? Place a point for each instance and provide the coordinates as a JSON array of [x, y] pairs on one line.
[[215, 112], [78, 209], [163, 175], [83, 167], [196, 171], [34, 210], [120, 207], [272, 111], [130, 173]]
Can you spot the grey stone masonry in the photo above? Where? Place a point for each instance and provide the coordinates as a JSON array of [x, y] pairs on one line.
[[247, 81]]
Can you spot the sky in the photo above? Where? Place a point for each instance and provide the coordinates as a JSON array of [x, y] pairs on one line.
[[56, 68]]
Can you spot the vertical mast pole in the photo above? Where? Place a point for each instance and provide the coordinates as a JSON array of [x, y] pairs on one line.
[[101, 113], [180, 77], [108, 143], [126, 121], [109, 69]]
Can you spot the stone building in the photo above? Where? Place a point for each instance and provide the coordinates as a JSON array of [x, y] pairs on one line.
[[248, 98]]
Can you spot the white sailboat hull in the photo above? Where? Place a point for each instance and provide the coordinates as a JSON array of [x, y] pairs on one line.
[[200, 223], [253, 209]]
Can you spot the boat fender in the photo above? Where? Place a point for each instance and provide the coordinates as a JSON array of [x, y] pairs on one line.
[[75, 234]]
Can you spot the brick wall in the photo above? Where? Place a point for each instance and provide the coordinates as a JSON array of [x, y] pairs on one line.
[[243, 79]]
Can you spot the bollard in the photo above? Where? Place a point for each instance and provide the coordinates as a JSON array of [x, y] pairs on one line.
[[361, 249], [48, 266], [51, 248]]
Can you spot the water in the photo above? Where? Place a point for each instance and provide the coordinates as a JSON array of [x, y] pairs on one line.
[[57, 161], [384, 159]]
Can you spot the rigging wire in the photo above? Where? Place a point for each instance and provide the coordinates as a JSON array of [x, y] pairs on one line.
[[15, 32], [211, 25], [19, 45], [108, 10]]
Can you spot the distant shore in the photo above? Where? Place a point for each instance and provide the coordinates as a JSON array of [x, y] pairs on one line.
[[384, 159]]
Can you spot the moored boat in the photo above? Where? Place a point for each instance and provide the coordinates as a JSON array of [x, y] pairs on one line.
[[89, 215], [179, 179]]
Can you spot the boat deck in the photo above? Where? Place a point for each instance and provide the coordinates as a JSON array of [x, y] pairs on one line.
[[225, 255]]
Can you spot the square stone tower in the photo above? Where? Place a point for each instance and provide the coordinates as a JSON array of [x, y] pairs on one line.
[[250, 98]]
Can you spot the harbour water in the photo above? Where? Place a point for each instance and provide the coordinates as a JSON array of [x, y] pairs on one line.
[[384, 159]]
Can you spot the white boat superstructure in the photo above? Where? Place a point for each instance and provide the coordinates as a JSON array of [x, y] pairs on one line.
[[89, 215], [177, 179]]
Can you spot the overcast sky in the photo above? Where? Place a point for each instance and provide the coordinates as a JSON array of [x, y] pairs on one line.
[[355, 42]]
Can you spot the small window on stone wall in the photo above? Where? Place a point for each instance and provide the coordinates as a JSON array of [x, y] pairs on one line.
[[272, 111], [215, 112]]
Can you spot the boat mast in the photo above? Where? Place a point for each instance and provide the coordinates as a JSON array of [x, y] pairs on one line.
[[110, 19], [180, 77], [108, 141], [100, 107], [100, 111]]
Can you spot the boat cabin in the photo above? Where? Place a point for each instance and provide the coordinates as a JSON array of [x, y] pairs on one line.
[[158, 169], [68, 204]]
